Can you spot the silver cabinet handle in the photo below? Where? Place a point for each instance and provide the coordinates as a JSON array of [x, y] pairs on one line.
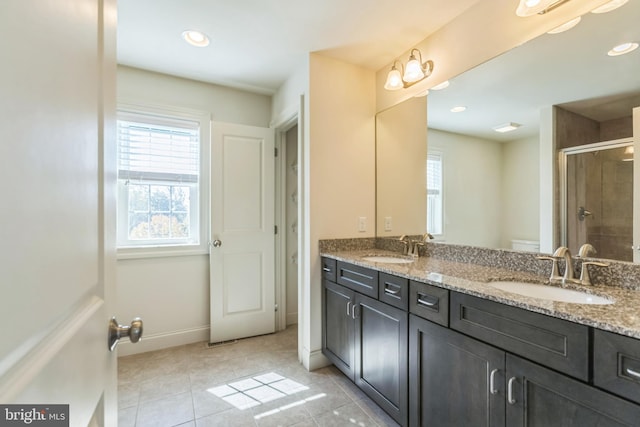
[[492, 382], [633, 373], [388, 290], [510, 398], [423, 301], [216, 243], [353, 312], [117, 331], [327, 269], [348, 308]]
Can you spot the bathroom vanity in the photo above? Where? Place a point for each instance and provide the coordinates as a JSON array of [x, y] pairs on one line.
[[434, 344]]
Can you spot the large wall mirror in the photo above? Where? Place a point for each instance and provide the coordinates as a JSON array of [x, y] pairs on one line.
[[485, 185]]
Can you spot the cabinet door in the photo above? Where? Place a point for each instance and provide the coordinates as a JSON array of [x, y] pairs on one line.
[[540, 397], [381, 355], [455, 381], [338, 326]]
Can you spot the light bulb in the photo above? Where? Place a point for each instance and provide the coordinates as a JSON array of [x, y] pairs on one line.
[[413, 71], [394, 80]]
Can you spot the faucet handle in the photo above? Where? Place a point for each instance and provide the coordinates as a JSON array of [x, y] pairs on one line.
[[587, 250], [555, 275], [585, 278]]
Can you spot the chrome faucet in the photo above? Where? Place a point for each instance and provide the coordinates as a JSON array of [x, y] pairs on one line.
[[408, 247], [563, 252], [585, 251]]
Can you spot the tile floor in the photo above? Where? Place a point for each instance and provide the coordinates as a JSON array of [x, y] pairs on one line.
[[252, 382]]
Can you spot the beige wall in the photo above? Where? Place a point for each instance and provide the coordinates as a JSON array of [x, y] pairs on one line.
[[472, 169], [401, 168], [520, 191], [171, 294], [341, 158], [491, 193]]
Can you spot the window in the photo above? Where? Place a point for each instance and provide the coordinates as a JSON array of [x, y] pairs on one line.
[[158, 180], [434, 194]]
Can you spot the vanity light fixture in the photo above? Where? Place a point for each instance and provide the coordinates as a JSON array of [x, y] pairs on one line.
[[608, 7], [458, 109], [507, 127], [566, 26], [623, 49], [195, 38], [539, 7], [412, 73]]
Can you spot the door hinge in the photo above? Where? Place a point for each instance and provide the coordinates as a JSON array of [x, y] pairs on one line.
[[276, 307], [275, 229], [275, 150]]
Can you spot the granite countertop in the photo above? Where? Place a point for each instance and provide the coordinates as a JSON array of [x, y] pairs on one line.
[[622, 317]]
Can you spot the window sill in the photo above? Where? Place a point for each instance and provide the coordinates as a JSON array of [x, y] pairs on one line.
[[161, 251]]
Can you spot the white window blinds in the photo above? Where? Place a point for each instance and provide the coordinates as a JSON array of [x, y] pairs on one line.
[[153, 148]]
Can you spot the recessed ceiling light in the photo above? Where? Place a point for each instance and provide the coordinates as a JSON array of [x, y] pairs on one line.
[[623, 48], [195, 38], [458, 109], [443, 85], [608, 7], [566, 26], [507, 127]]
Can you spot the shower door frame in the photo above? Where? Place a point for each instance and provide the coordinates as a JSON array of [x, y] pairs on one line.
[[563, 154]]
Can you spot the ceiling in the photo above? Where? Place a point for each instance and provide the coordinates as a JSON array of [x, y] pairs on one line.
[[569, 69], [256, 44]]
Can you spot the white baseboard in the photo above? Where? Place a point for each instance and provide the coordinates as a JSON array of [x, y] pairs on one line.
[[163, 340], [292, 318], [314, 360]]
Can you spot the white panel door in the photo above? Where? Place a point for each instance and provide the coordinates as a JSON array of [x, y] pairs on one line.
[[57, 82], [242, 229]]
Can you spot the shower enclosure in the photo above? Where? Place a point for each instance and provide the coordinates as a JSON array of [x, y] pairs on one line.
[[597, 198]]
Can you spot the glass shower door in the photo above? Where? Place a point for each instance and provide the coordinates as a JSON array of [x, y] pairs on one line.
[[599, 199]]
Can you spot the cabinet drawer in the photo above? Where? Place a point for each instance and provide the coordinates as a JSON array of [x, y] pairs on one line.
[[360, 279], [429, 302], [393, 290], [329, 269], [556, 343], [616, 364]]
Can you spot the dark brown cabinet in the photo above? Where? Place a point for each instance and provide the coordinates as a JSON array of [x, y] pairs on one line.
[[540, 397], [338, 327], [459, 360], [367, 339], [382, 355], [455, 381]]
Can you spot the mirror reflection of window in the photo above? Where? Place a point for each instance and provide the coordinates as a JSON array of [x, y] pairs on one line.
[[434, 194]]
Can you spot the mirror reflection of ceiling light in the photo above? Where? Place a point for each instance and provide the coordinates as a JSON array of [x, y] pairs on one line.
[[608, 7], [443, 85], [507, 127], [458, 109], [533, 7], [623, 48], [566, 26], [195, 38]]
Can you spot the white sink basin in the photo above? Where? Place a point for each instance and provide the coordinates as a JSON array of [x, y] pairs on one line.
[[387, 259], [550, 293]]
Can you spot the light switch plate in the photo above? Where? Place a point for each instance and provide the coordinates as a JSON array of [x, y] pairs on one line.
[[362, 224]]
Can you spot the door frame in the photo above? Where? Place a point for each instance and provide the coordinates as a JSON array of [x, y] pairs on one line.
[[579, 149], [281, 169]]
